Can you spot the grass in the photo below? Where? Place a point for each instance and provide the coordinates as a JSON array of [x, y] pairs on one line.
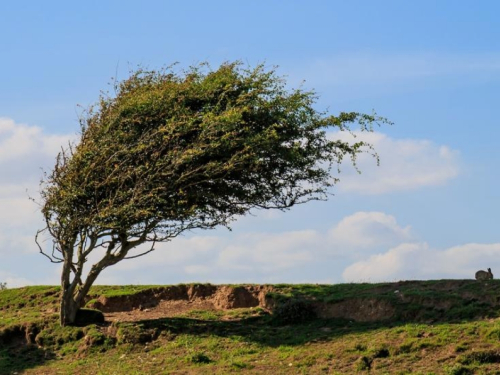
[[438, 327]]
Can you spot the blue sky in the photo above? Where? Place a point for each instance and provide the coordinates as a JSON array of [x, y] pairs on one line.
[[433, 68]]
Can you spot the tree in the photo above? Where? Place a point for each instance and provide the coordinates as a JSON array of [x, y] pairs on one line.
[[3, 286], [171, 152]]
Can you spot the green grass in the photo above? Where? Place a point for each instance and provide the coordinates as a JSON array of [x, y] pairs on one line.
[[438, 327], [119, 290]]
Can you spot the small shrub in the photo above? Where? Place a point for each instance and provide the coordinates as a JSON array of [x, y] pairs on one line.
[[294, 312], [494, 333], [364, 363], [406, 347], [199, 358], [134, 334], [381, 353], [461, 347], [359, 347], [480, 357], [94, 339]]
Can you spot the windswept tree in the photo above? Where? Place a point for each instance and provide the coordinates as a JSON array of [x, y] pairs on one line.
[[170, 152]]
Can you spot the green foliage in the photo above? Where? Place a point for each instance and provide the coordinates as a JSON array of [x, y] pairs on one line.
[[198, 147], [171, 152]]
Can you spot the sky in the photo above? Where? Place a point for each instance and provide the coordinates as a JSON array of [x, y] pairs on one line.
[[429, 211]]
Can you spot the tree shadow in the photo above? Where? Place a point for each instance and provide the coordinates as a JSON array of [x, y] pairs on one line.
[[17, 354], [449, 302], [262, 330]]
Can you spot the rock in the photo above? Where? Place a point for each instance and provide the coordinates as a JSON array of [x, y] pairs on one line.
[[85, 317]]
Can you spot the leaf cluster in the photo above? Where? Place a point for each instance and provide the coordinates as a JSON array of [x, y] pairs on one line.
[[175, 151]]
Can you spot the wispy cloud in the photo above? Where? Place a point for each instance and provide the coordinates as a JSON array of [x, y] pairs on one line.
[[300, 255], [405, 164], [375, 69]]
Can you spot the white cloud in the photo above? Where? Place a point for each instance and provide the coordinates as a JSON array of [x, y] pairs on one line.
[[389, 266], [270, 252], [14, 281], [179, 252], [413, 261], [405, 164], [366, 231], [24, 150], [266, 257]]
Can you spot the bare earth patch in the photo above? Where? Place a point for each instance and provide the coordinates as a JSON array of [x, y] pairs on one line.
[[165, 309], [164, 302]]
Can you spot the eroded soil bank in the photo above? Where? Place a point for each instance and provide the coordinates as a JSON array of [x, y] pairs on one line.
[[419, 301], [176, 300]]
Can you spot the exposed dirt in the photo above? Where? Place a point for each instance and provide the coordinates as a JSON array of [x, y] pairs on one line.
[[179, 299], [406, 300]]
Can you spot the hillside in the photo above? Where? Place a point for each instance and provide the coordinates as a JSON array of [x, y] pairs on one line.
[[417, 327]]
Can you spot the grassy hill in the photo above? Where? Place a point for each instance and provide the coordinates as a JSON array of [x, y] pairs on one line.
[[411, 327]]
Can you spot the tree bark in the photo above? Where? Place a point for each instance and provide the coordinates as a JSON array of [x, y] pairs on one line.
[[69, 308]]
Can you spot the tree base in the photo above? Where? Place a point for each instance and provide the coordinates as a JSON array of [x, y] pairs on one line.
[[85, 317]]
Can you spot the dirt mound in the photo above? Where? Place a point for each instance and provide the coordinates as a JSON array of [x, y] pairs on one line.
[[228, 297], [174, 300]]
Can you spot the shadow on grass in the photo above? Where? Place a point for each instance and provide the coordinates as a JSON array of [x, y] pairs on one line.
[[433, 302], [261, 330], [18, 356]]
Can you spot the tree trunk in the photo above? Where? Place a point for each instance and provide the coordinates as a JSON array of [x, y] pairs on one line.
[[73, 292], [69, 308], [72, 299]]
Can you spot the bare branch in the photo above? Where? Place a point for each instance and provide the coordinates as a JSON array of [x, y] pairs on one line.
[[55, 260]]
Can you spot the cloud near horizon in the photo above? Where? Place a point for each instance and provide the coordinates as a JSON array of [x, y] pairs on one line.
[[405, 164], [418, 261], [387, 252], [272, 257]]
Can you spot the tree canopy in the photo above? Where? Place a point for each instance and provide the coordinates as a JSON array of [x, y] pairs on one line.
[[170, 152]]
